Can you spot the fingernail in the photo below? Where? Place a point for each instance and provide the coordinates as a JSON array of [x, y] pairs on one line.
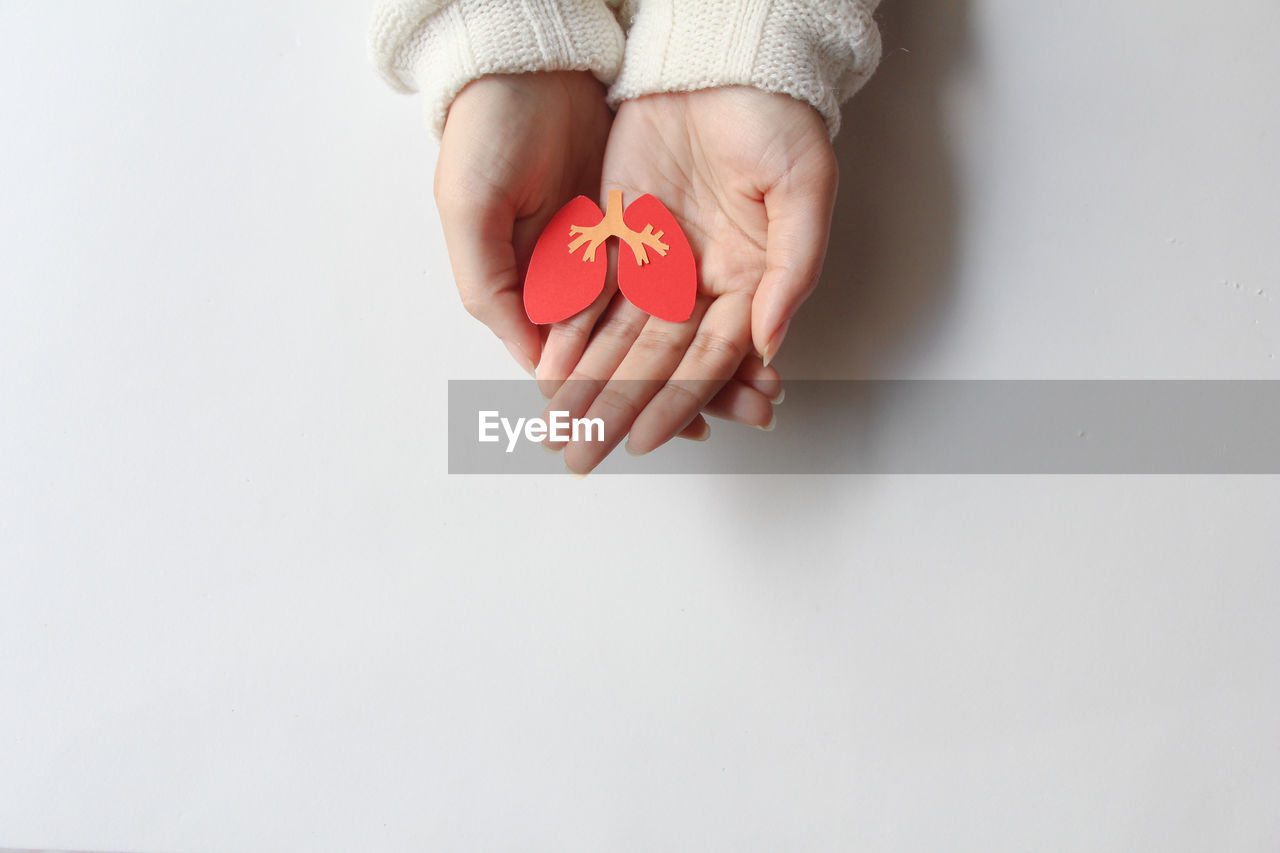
[[631, 451], [775, 343], [521, 358], [705, 434], [782, 395], [773, 422], [573, 474], [552, 450]]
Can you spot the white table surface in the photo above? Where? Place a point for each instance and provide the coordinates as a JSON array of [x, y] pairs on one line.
[[243, 606]]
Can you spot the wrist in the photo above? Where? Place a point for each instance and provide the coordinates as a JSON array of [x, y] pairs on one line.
[[438, 48], [817, 51]]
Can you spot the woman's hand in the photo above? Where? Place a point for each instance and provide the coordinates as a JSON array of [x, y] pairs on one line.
[[515, 148], [751, 177]]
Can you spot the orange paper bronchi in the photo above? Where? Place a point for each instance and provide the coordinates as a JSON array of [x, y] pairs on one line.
[[560, 282], [613, 226]]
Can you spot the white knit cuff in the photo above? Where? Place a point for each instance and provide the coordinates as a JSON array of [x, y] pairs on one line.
[[819, 51], [437, 47]]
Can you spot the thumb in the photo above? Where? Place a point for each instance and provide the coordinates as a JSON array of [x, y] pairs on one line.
[[799, 213]]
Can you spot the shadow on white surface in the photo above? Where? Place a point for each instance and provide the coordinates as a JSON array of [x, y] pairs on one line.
[[894, 234]]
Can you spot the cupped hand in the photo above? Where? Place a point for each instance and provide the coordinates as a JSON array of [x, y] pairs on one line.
[[515, 148], [751, 178]]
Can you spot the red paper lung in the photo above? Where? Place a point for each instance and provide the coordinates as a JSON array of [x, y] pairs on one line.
[[559, 284], [667, 285], [560, 281]]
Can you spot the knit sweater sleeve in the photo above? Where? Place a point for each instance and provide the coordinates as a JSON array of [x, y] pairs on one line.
[[819, 51], [436, 47]]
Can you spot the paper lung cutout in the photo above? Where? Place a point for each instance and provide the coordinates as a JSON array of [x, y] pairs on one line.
[[656, 271], [559, 284], [665, 286]]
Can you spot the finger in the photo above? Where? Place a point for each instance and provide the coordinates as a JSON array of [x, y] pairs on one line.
[[567, 340], [746, 399], [479, 239], [736, 402], [752, 373], [610, 341], [742, 404], [697, 430], [766, 380], [799, 211], [722, 343], [654, 356]]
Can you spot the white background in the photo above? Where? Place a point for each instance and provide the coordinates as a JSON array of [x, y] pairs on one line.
[[243, 606]]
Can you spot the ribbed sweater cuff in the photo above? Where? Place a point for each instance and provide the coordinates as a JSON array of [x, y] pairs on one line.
[[819, 51], [437, 48]]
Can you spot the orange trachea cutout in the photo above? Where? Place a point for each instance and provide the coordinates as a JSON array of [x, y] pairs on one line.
[[612, 225]]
